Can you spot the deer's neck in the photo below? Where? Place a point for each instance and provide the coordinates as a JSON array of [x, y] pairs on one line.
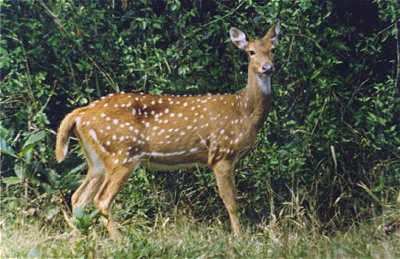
[[256, 99]]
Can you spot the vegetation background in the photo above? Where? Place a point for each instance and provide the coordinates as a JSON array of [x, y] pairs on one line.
[[326, 168]]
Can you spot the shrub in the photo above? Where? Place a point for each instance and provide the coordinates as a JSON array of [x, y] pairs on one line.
[[330, 145]]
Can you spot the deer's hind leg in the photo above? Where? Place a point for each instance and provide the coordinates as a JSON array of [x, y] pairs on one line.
[[88, 188], [93, 180], [115, 179]]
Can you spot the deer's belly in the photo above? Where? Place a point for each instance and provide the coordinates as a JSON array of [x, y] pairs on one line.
[[173, 161], [168, 167]]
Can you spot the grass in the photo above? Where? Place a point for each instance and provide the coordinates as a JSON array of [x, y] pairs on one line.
[[185, 237]]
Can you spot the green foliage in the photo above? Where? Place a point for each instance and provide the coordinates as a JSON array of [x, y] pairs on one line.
[[332, 134], [83, 221]]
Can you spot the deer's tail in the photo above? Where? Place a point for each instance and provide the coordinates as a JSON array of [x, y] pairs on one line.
[[64, 131]]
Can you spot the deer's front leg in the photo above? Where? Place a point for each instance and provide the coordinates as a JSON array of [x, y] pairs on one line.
[[225, 180]]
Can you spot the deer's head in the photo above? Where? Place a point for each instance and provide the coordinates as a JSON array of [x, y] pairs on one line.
[[261, 51]]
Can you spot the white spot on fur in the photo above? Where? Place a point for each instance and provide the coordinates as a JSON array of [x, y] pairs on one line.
[[92, 133]]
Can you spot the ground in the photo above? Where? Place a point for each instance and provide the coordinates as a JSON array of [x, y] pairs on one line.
[[184, 236]]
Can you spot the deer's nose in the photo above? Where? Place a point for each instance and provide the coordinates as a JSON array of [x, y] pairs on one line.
[[267, 68]]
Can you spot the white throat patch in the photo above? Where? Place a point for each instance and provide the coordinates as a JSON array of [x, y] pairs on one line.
[[264, 82]]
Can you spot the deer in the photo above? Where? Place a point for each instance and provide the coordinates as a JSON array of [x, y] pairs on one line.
[[122, 131]]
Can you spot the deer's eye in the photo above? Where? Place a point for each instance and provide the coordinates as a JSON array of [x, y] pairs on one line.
[[251, 52], [273, 51]]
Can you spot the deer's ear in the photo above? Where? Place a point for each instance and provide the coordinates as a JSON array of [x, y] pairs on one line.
[[238, 38], [273, 33]]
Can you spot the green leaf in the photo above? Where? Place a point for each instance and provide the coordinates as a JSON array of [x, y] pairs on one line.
[[316, 73], [94, 214], [19, 171], [51, 212], [6, 149], [53, 177], [11, 180], [35, 253], [78, 212], [32, 141]]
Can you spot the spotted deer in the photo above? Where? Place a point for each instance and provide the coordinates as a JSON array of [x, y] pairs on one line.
[[123, 131]]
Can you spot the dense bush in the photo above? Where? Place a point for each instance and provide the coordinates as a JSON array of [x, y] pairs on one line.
[[329, 149]]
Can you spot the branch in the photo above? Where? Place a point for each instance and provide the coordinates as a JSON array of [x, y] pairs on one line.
[[61, 27]]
